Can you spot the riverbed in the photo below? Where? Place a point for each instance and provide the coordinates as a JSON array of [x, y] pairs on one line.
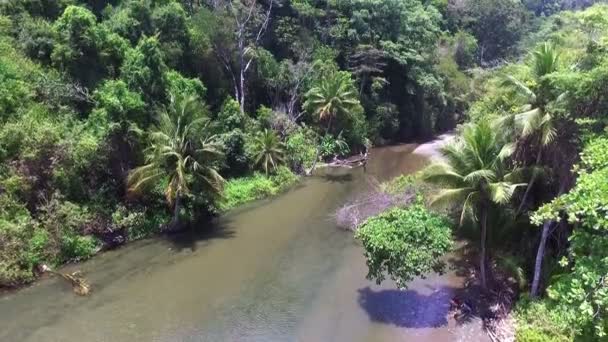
[[274, 270]]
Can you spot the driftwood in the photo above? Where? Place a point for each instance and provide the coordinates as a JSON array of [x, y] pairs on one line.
[[350, 162], [79, 285], [371, 203]]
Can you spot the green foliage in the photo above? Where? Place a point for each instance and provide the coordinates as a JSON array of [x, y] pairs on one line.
[[393, 240], [334, 98], [82, 84], [144, 70], [301, 149], [331, 146], [465, 49], [171, 24], [178, 84], [174, 154], [37, 38], [595, 155], [120, 104], [78, 247], [138, 223], [238, 191], [497, 25], [537, 321], [268, 151], [230, 117], [476, 177], [582, 291]]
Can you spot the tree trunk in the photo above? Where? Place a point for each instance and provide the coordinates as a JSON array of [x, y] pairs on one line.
[[482, 256], [539, 258], [175, 222], [242, 86], [530, 184], [540, 254]]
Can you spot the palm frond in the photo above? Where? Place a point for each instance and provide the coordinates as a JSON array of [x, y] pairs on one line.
[[529, 121], [447, 197], [478, 175], [501, 192], [518, 87]]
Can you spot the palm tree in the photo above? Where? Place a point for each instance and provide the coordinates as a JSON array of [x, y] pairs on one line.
[[474, 176], [537, 123], [268, 151], [534, 121], [334, 96], [176, 155]]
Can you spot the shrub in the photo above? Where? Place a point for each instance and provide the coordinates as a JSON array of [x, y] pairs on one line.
[[78, 247], [404, 243], [537, 321], [139, 224], [284, 178], [300, 148]]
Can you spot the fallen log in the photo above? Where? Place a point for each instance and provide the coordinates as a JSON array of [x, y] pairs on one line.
[[79, 285], [352, 161]]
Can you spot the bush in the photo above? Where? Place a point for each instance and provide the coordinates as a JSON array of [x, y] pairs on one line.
[[78, 247], [300, 149], [392, 242], [538, 322], [17, 228], [138, 224]]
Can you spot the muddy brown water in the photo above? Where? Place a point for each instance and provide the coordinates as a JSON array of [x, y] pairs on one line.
[[276, 270]]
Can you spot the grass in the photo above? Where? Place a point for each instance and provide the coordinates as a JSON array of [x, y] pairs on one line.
[[239, 191]]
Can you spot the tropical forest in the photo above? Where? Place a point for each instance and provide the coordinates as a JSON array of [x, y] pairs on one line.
[[304, 170]]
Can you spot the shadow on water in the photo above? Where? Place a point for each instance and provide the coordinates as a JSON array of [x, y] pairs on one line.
[[412, 309], [191, 238], [406, 309], [345, 178]]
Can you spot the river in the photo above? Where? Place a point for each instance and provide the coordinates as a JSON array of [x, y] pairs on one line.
[[275, 270]]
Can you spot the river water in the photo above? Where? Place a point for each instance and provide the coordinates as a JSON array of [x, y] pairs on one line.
[[276, 270]]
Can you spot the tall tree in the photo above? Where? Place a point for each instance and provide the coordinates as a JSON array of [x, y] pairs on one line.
[[335, 96], [475, 176], [497, 25], [535, 122], [235, 45], [536, 125], [175, 154]]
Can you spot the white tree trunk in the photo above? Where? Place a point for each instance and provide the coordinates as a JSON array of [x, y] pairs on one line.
[[539, 258]]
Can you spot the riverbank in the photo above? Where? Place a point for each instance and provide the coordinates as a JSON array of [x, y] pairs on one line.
[[295, 277]]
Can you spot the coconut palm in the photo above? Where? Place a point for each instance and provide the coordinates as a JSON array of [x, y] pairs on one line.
[[268, 151], [334, 96], [475, 176], [534, 122], [175, 154], [538, 125]]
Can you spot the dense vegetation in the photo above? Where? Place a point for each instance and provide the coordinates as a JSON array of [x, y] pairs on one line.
[[526, 176], [120, 119]]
